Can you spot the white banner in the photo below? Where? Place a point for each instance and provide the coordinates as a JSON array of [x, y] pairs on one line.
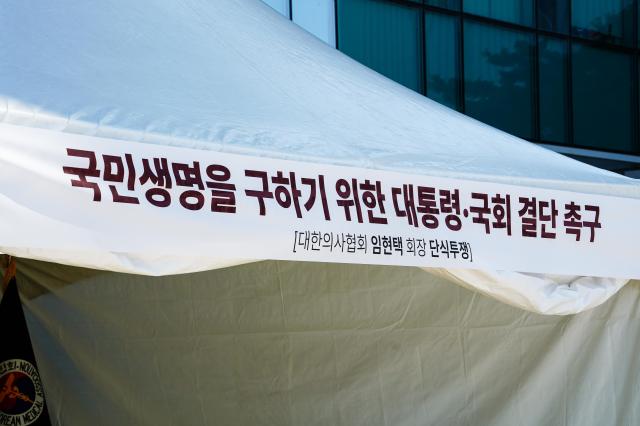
[[74, 193]]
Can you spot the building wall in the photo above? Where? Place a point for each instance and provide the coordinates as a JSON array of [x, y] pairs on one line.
[[559, 72]]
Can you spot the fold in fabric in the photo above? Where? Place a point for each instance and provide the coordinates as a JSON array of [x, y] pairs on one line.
[[541, 293]]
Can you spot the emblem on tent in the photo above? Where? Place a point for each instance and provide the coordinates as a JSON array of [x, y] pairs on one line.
[[21, 394]]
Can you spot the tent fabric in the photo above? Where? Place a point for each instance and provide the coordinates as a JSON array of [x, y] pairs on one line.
[[234, 76], [276, 342], [293, 343], [540, 293]]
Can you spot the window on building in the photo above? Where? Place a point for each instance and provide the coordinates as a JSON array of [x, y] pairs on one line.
[[442, 58], [553, 15], [602, 101], [604, 20], [447, 4], [540, 79], [384, 36], [282, 6], [516, 11], [553, 89], [317, 17], [498, 75]]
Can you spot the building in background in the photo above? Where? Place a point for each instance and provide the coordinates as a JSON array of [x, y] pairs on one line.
[[563, 73]]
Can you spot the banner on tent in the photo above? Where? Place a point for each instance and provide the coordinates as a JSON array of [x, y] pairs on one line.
[[137, 198]]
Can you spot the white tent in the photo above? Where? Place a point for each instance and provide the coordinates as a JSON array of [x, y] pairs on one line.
[[282, 341]]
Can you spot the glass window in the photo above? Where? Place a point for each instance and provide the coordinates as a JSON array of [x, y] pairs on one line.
[[447, 4], [604, 20], [602, 99], [553, 89], [516, 11], [317, 17], [281, 6], [384, 36], [498, 75], [443, 68], [553, 15]]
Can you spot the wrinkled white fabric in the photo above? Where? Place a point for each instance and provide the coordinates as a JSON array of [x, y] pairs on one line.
[[295, 343], [540, 293]]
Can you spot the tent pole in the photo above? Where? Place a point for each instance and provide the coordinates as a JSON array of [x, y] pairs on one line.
[[9, 265]]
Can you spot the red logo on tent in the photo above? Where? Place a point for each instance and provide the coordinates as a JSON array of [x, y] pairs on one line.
[[21, 395]]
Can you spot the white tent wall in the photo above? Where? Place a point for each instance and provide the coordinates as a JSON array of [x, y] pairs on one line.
[[293, 343]]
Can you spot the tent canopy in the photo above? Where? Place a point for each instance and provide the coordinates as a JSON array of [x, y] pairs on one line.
[[233, 77]]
